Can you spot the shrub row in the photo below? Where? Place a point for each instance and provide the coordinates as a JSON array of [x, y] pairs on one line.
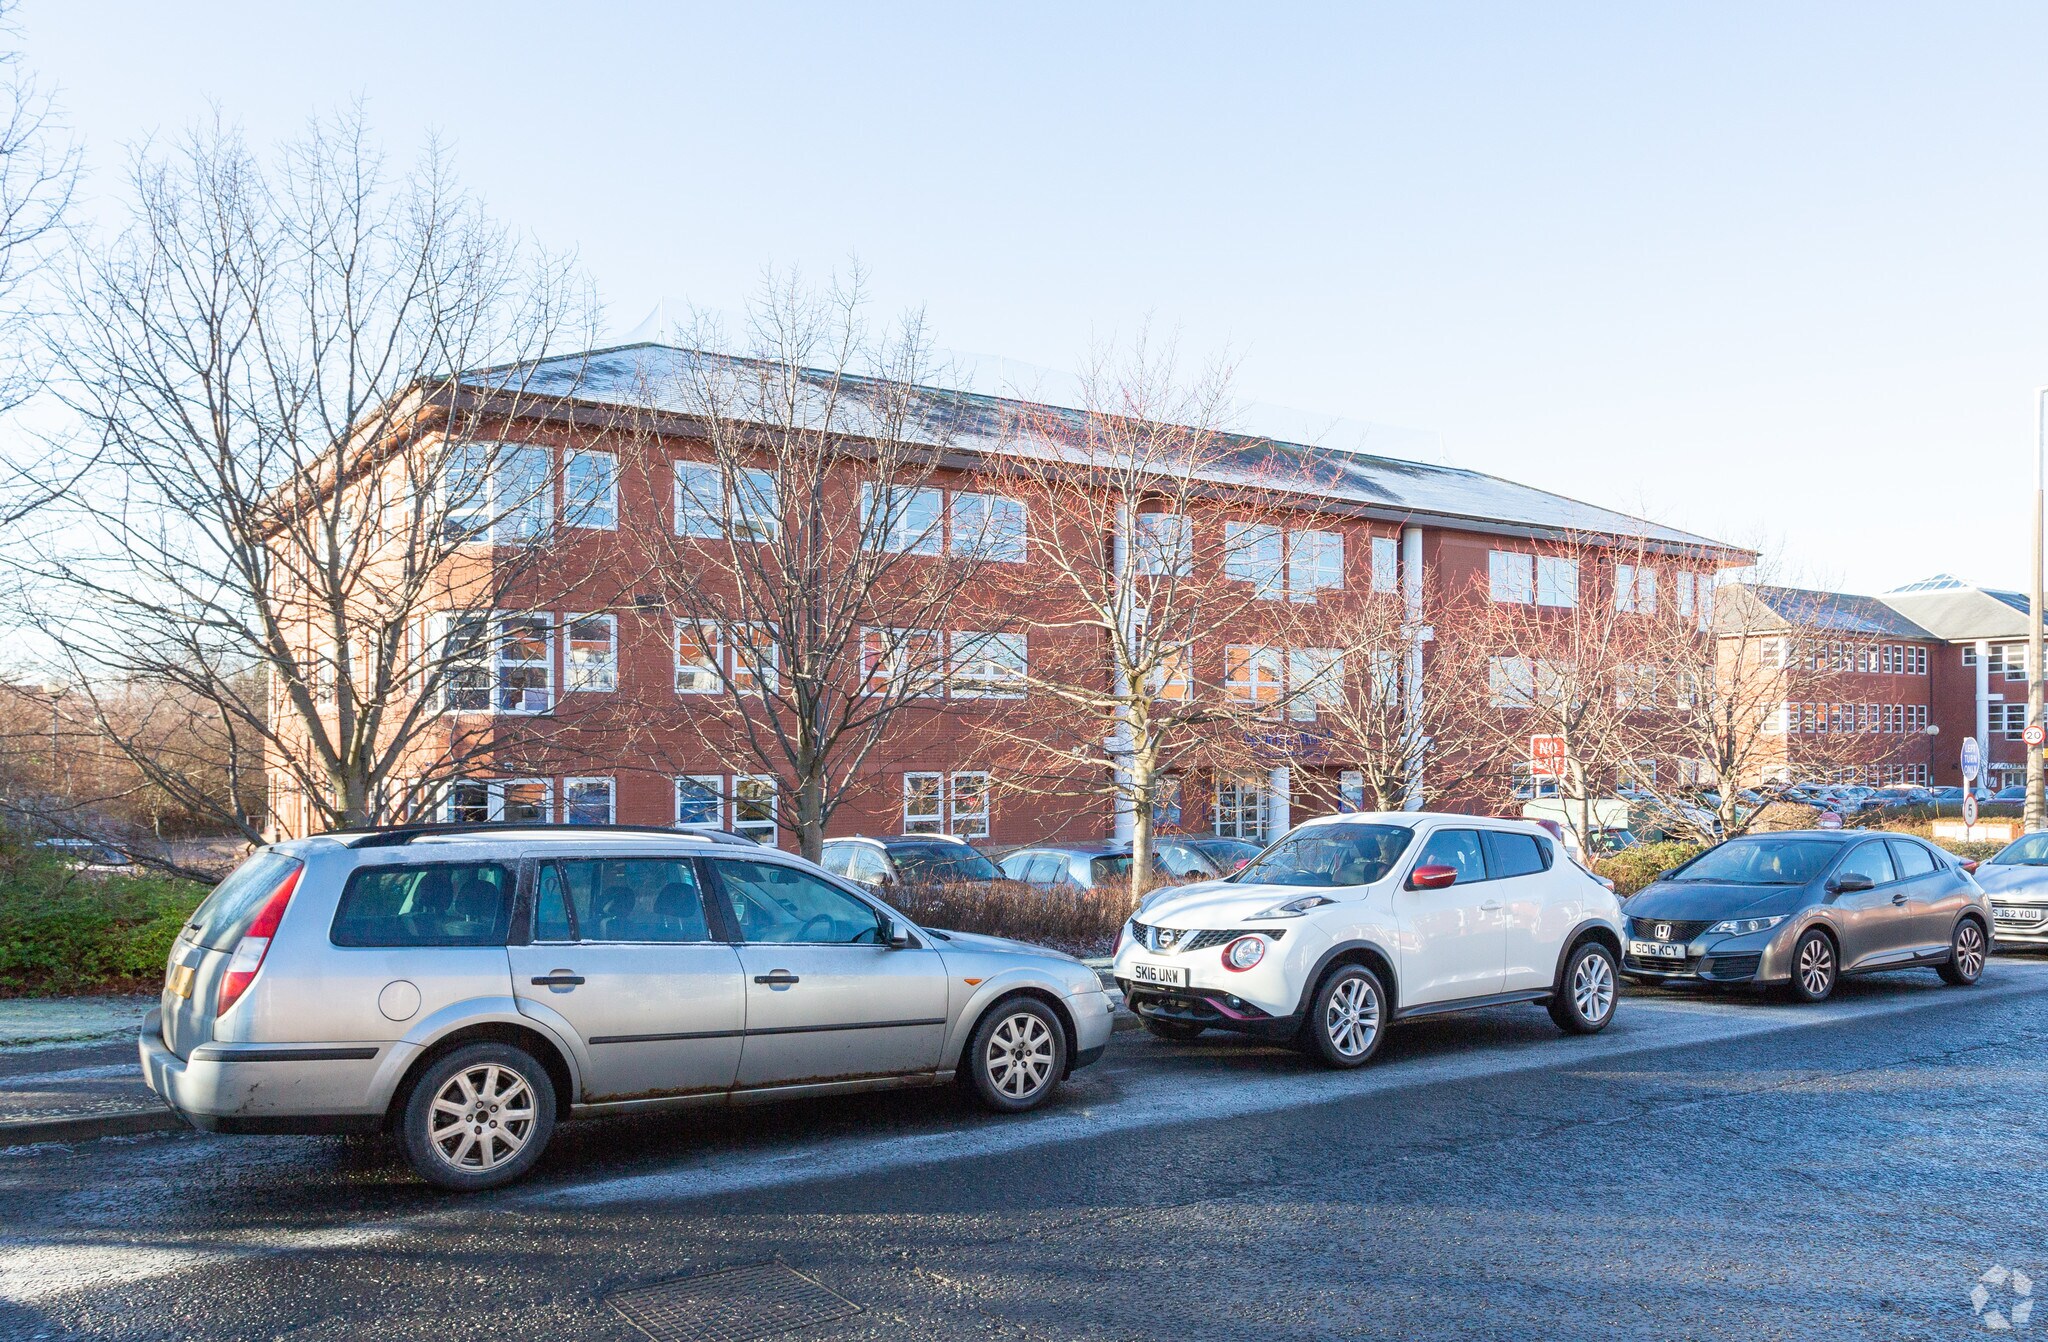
[[1083, 923], [64, 931]]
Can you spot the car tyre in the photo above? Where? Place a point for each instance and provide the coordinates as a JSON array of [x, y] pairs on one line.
[[478, 1118], [1017, 1055], [1816, 967], [1587, 990], [1347, 1017], [1966, 955], [1177, 1031]]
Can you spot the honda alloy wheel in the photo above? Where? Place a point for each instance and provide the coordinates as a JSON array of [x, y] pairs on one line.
[[1347, 1018], [1966, 954], [1017, 1055], [1814, 969], [479, 1117]]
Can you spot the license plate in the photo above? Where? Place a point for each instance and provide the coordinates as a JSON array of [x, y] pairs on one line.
[[180, 981], [2018, 915], [1657, 950], [1167, 976]]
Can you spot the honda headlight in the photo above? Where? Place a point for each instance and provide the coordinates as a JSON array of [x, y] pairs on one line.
[[1294, 908], [1744, 926]]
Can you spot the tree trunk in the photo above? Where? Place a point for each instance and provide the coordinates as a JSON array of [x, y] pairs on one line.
[[810, 814]]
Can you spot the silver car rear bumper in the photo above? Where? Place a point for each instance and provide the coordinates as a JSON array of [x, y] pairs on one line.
[[271, 1087]]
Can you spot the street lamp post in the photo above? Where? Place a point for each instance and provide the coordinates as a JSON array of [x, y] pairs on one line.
[[2034, 817]]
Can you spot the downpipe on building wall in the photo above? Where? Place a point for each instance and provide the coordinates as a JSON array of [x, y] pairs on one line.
[[1411, 679]]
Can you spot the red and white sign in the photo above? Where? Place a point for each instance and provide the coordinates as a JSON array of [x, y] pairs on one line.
[[2035, 734], [1970, 808], [1546, 757]]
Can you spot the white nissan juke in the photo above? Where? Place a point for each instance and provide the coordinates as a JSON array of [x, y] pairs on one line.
[[1350, 923]]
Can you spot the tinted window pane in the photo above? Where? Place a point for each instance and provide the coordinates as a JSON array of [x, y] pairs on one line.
[[1512, 855], [1912, 859], [1456, 848], [837, 859], [551, 908], [1867, 859], [446, 904], [778, 903], [635, 899]]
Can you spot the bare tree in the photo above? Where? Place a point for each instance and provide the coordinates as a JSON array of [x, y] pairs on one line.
[[815, 569], [1154, 605], [292, 488]]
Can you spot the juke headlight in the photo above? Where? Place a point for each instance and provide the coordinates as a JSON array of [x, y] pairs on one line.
[[1744, 926], [1294, 908]]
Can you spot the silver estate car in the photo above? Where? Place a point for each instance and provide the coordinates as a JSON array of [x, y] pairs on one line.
[[465, 987]]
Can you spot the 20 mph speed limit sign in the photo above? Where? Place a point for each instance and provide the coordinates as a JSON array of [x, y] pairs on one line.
[[2035, 734]]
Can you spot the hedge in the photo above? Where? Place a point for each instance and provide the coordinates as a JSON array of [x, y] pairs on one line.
[[65, 931], [1636, 866]]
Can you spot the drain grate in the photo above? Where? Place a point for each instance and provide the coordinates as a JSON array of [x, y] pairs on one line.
[[733, 1305]]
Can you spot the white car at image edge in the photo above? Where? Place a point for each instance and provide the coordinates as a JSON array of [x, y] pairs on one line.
[[1350, 923]]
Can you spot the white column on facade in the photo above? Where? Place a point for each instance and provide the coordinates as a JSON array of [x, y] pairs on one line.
[[1278, 787], [1418, 634], [1119, 743], [1984, 707]]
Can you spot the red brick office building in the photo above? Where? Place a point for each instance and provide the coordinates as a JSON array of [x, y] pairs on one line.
[[592, 666]]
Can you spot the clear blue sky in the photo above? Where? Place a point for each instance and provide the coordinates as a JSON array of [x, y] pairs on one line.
[[1757, 269]]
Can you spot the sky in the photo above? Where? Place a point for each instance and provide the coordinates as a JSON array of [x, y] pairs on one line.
[[1769, 272]]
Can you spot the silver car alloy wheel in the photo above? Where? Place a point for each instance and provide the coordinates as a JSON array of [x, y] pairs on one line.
[[1593, 987], [1019, 1056], [1352, 1020], [1969, 950], [481, 1118], [1816, 965]]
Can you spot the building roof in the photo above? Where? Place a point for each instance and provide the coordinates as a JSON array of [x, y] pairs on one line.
[[657, 377], [1961, 612], [1838, 612]]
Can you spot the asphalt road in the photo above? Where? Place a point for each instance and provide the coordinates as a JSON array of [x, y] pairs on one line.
[[1708, 1167]]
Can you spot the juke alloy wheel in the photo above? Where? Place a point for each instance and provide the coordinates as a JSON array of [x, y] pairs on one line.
[[1814, 969], [1017, 1055], [478, 1118], [1347, 1020], [1966, 955], [1584, 1001]]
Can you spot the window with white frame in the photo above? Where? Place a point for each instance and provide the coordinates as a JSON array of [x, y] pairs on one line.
[[494, 801], [1256, 552], [1774, 723], [1252, 675], [1315, 680], [988, 665], [1683, 581], [749, 509], [501, 492], [592, 660], [756, 660], [1635, 588], [700, 801], [1511, 577], [903, 519], [967, 804], [988, 526], [905, 661], [497, 663], [1315, 563], [1557, 581], [753, 807], [924, 803], [590, 490], [1239, 811], [2009, 720], [1166, 545], [1386, 564], [587, 801], [1916, 661], [2009, 660], [1635, 688], [1510, 682], [699, 659]]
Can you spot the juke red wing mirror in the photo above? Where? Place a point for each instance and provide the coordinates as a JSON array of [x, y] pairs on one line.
[[1432, 876]]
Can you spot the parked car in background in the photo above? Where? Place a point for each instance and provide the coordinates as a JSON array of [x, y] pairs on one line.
[[464, 987], [1801, 908], [1946, 795], [1074, 866], [1202, 857], [2016, 878], [2017, 792], [92, 854], [907, 859], [1351, 923]]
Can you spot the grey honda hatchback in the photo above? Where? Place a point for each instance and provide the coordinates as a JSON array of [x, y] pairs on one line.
[[465, 987], [1801, 908]]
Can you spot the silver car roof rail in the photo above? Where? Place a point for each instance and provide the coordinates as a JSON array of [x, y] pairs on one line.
[[395, 836]]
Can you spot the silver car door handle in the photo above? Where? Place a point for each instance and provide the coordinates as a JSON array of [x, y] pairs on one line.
[[780, 978], [1898, 899], [1490, 905]]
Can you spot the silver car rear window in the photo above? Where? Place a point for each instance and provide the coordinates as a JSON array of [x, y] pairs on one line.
[[226, 914]]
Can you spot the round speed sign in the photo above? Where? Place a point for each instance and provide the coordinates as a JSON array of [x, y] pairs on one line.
[[2035, 734]]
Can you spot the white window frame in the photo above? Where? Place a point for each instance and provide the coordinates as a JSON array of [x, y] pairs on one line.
[[975, 674], [964, 822], [1260, 668], [1511, 577], [751, 510], [595, 514], [1166, 545], [993, 527], [1241, 809], [1315, 563], [1557, 582], [715, 785], [501, 664], [712, 666], [494, 798], [588, 677], [907, 506], [756, 829], [761, 675], [1511, 682], [885, 662], [1173, 679], [1315, 682], [529, 518], [920, 786], [1256, 552], [611, 799], [1386, 564]]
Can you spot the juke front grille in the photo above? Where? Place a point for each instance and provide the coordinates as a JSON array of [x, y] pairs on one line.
[[1176, 940]]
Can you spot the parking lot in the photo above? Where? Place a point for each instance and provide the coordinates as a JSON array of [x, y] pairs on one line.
[[1708, 1165]]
